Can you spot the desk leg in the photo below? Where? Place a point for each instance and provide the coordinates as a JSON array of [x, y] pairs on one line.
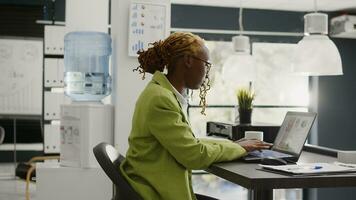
[[261, 194]]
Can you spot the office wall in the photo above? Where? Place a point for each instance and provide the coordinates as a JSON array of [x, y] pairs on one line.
[[79, 15], [127, 84], [337, 105], [337, 112]]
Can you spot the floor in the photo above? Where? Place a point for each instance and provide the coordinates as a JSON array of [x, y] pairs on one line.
[[14, 189], [11, 188]]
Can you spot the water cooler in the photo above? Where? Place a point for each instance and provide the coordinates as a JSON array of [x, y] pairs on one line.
[[86, 121], [84, 125]]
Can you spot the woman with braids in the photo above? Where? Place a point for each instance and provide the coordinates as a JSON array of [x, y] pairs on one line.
[[162, 147]]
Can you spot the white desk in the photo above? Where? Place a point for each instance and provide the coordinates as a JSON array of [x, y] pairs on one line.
[[58, 183]]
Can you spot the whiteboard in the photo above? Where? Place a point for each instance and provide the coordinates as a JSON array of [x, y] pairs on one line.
[[21, 66]]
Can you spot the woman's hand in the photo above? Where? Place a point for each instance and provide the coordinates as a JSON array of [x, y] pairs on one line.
[[251, 145]]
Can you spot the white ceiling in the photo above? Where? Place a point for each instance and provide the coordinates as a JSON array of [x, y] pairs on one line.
[[290, 5]]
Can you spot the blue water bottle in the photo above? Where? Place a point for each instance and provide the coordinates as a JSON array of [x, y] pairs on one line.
[[86, 65]]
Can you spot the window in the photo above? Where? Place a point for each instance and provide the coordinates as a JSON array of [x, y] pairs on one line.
[[277, 89]]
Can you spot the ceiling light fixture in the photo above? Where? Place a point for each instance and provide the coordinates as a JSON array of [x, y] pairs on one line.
[[239, 66], [316, 54]]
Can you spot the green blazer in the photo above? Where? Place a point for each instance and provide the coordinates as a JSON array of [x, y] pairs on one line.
[[162, 147]]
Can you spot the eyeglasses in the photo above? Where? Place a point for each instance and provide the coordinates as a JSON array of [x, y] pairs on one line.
[[207, 63]]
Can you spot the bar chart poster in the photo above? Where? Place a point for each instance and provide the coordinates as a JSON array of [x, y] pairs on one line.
[[149, 22]]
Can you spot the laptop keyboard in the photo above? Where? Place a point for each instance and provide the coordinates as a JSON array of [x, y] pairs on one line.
[[268, 153]]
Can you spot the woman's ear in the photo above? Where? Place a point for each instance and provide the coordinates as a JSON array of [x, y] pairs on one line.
[[187, 61]]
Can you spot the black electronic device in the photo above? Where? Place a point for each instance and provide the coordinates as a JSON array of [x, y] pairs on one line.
[[237, 131], [290, 139], [22, 170], [273, 161]]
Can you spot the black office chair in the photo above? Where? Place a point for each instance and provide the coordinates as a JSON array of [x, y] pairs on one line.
[[110, 159], [2, 134]]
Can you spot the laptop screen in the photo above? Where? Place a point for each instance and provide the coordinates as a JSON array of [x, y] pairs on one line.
[[294, 132]]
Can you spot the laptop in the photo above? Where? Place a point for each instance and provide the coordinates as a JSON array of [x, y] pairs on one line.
[[290, 138]]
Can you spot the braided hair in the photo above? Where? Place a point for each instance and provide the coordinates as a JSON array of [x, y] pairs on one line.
[[162, 53]]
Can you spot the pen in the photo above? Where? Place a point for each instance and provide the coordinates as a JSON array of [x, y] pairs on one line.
[[317, 167], [304, 167]]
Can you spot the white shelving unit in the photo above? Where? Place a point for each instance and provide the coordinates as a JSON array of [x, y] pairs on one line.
[[53, 95]]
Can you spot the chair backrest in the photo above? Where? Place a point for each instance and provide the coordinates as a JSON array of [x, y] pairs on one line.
[[110, 159], [2, 134]]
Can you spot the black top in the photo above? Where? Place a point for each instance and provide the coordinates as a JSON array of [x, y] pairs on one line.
[[250, 176]]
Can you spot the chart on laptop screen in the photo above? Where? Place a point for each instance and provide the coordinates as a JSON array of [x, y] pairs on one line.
[[293, 133]]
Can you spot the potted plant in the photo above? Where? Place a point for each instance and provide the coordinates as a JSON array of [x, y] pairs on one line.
[[245, 98]]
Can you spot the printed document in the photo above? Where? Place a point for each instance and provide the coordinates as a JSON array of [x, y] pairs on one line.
[[311, 168]]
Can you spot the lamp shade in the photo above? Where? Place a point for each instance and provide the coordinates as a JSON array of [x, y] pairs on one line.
[[241, 44], [317, 55], [239, 67]]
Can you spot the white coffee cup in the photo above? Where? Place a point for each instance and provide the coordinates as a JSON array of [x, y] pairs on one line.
[[258, 135]]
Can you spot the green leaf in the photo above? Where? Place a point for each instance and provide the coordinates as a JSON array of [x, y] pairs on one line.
[[245, 98]]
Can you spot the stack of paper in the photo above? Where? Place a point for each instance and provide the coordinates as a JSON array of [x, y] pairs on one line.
[[311, 168]]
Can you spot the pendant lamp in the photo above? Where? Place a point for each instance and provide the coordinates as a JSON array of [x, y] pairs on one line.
[[316, 54], [239, 66]]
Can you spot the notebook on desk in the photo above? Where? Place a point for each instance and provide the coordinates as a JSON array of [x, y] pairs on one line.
[[310, 169], [290, 139]]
